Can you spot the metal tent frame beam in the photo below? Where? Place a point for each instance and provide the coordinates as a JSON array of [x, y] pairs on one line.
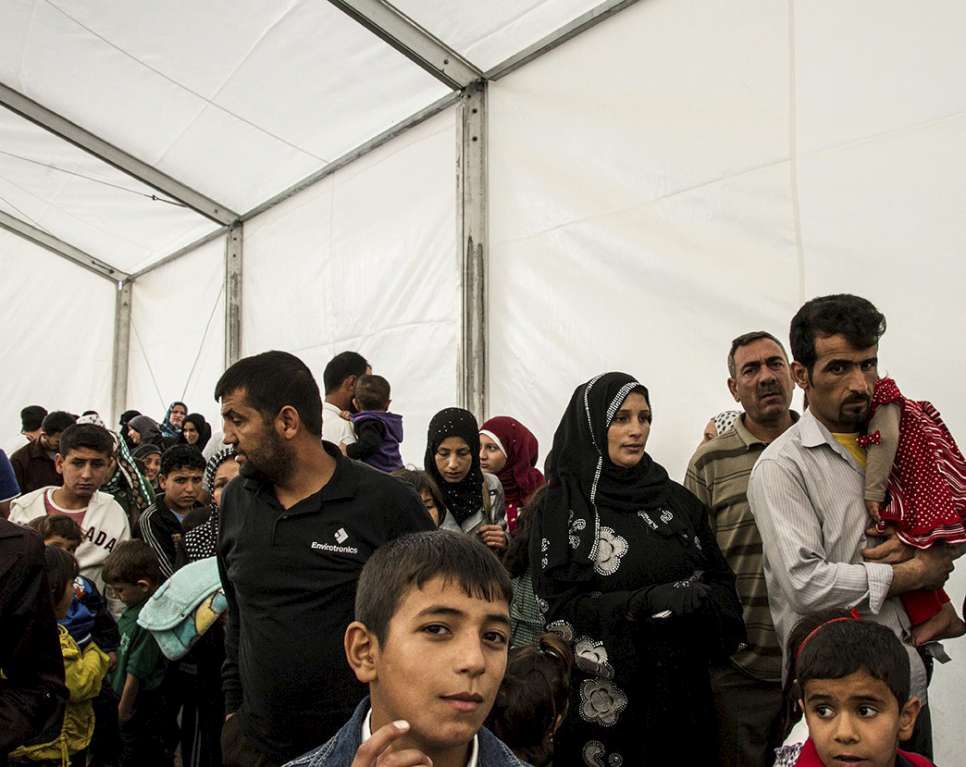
[[410, 39], [472, 220], [61, 248], [61, 126]]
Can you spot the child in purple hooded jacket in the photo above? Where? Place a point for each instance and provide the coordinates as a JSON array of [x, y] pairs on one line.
[[378, 432]]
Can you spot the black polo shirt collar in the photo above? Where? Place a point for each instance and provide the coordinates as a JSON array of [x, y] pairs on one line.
[[342, 485]]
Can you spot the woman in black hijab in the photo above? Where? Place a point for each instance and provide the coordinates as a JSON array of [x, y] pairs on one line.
[[626, 567], [195, 431], [144, 430], [474, 499]]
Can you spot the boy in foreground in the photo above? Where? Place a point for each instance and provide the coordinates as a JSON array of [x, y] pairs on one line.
[[430, 639], [853, 685]]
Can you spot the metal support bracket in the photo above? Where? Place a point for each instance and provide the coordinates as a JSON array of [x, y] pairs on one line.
[[61, 126], [122, 348], [411, 40], [233, 294], [472, 204]]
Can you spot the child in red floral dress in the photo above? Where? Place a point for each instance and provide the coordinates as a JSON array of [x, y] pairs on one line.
[[915, 480]]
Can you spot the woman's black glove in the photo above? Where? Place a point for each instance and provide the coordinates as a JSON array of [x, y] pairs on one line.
[[680, 598]]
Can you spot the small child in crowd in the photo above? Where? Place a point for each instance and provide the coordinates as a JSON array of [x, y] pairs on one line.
[[132, 573], [851, 681], [533, 698], [88, 621], [84, 670], [428, 491], [378, 432], [915, 480], [435, 595]]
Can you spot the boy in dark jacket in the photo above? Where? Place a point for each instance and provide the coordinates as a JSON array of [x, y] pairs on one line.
[[439, 595]]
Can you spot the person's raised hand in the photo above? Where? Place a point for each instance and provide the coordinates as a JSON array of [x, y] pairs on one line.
[[375, 751], [493, 536], [892, 551]]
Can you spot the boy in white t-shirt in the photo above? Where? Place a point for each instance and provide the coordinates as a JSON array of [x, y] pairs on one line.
[[85, 460]]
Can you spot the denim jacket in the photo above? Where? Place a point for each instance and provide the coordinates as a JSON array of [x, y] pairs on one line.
[[341, 749]]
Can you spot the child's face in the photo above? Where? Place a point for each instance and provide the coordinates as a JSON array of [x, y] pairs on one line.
[[182, 487], [856, 720], [62, 543], [430, 503], [131, 594], [441, 665], [84, 470]]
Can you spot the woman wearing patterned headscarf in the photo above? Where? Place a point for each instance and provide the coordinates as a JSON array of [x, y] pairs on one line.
[[720, 424], [625, 566], [509, 450], [200, 541], [173, 420], [474, 499]]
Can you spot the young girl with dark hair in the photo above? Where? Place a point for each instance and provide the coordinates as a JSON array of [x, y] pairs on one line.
[[533, 699]]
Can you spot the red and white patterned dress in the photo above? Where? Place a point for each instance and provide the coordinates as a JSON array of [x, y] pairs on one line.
[[927, 484]]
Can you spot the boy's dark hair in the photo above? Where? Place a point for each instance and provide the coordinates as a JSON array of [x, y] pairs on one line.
[[420, 481], [839, 646], [340, 367], [271, 381], [61, 569], [182, 457], [534, 693], [517, 556], [50, 525], [56, 422], [130, 562], [372, 392], [32, 417], [86, 435], [841, 314], [414, 559], [749, 338]]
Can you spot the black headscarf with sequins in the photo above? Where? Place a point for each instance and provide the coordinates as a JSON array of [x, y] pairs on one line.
[[463, 498]]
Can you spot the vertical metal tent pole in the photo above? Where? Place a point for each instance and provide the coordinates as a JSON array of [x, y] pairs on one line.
[[233, 293], [122, 348], [472, 206]]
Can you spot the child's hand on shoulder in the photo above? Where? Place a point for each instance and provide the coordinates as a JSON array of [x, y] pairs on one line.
[[344, 448], [346, 415], [375, 751]]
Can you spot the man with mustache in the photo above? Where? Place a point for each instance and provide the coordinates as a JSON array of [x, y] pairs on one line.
[[748, 689], [806, 493]]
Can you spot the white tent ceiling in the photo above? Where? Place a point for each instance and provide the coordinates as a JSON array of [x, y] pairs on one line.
[[236, 100]]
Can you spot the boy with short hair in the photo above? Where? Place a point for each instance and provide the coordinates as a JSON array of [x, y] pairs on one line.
[[853, 685], [131, 572], [163, 523], [438, 595], [378, 432], [84, 460]]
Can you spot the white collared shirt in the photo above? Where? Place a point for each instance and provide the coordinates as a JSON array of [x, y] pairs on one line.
[[335, 428], [474, 751]]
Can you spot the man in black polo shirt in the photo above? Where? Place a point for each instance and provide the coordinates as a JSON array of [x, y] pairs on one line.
[[296, 529]]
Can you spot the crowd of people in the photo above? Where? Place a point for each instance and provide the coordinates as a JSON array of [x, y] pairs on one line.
[[285, 591]]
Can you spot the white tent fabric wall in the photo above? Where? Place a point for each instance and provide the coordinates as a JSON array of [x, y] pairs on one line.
[[367, 260], [58, 336], [647, 207], [178, 335]]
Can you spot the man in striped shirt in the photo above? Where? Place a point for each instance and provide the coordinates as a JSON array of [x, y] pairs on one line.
[[747, 691], [807, 493]]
